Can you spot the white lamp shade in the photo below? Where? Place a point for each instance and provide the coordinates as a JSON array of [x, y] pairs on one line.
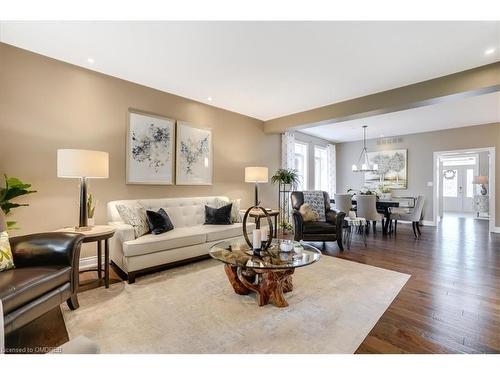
[[480, 180], [73, 163], [256, 174]]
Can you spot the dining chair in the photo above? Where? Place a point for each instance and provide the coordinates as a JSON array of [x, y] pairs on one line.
[[414, 215], [367, 209], [343, 202]]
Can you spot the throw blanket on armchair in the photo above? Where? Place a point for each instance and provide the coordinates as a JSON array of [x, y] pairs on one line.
[[316, 201]]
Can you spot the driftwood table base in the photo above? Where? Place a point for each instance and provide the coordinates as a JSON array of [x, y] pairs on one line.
[[269, 285]]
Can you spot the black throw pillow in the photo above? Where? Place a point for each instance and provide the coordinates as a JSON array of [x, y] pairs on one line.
[[159, 222], [218, 216]]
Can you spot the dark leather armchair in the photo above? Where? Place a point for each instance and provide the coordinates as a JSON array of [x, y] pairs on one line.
[[328, 230], [45, 275]]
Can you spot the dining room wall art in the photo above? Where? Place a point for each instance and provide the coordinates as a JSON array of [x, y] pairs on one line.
[[392, 169]]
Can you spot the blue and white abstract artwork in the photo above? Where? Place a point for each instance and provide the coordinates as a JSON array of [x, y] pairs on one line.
[[150, 149], [194, 155]]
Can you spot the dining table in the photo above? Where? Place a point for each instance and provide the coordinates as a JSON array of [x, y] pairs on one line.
[[384, 207]]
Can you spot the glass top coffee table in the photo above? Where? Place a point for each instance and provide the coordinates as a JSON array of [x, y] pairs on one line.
[[269, 274]]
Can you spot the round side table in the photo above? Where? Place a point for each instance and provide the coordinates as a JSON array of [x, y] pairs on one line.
[[99, 234], [357, 222]]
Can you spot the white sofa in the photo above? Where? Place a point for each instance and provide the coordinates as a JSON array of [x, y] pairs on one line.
[[190, 239]]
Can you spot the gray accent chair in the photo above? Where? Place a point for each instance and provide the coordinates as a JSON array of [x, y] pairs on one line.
[[366, 207], [414, 215], [343, 202]]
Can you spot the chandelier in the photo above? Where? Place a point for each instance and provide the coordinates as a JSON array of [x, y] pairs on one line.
[[363, 162]]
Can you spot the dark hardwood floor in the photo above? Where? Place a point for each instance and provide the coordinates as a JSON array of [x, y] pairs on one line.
[[451, 303]]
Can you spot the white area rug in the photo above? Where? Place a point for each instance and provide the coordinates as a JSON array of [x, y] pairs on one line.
[[193, 309]]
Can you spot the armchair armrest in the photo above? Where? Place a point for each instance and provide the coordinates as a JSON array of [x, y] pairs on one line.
[[42, 249], [298, 224], [337, 218], [331, 216]]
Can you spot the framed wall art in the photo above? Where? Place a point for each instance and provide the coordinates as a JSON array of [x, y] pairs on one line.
[[150, 149], [194, 159], [392, 169]]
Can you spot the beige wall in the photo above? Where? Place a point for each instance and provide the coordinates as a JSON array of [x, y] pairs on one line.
[[46, 104], [420, 157]]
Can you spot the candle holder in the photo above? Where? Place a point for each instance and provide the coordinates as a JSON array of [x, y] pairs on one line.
[[266, 245]]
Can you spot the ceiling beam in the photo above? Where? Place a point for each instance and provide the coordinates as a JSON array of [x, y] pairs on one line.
[[482, 80]]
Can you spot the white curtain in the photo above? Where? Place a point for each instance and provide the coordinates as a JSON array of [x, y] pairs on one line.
[[287, 150], [332, 169]]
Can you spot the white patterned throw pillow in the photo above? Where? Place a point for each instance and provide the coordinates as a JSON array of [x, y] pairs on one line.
[[6, 258], [316, 200], [134, 215]]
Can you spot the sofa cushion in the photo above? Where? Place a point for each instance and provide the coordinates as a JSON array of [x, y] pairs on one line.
[[218, 216], [150, 243], [22, 285], [222, 232], [159, 222], [135, 215], [235, 208], [308, 214]]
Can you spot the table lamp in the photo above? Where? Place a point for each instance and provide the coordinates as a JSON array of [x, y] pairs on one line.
[[481, 180], [256, 175], [82, 164]]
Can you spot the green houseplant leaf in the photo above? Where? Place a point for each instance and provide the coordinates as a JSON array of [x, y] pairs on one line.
[[286, 177], [14, 188]]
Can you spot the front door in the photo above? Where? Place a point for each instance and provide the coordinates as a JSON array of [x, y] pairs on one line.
[[458, 190]]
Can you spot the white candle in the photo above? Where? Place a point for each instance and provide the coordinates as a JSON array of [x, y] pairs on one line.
[[256, 239], [263, 233]]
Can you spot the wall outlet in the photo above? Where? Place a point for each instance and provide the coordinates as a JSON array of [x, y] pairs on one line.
[[430, 184]]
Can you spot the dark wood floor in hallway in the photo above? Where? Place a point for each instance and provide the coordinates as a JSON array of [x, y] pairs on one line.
[[451, 304]]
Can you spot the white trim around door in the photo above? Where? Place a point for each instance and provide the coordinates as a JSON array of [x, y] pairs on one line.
[[491, 171]]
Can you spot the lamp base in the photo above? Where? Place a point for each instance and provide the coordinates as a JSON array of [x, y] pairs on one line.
[[257, 202], [483, 190], [83, 229]]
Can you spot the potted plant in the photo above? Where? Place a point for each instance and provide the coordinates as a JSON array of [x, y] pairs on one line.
[[385, 192], [14, 188], [90, 210], [287, 180], [286, 177], [286, 227]]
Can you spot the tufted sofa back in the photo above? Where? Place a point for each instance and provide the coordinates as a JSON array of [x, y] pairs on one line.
[[184, 212]]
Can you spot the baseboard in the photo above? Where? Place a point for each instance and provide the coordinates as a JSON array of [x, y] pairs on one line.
[[497, 230], [89, 262], [428, 223]]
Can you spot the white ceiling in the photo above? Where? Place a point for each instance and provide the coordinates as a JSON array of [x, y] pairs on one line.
[[265, 69], [470, 111]]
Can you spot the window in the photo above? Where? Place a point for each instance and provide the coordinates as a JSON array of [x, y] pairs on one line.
[[320, 169], [301, 164], [470, 160]]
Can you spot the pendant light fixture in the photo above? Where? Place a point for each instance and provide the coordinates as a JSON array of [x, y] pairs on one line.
[[363, 162]]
